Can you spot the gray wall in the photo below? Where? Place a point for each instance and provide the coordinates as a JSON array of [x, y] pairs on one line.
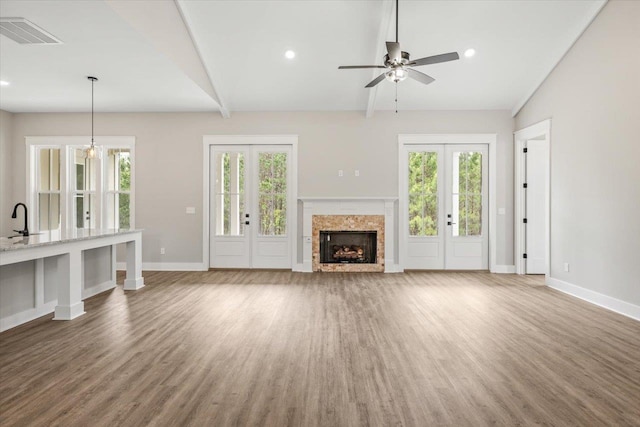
[[6, 170], [593, 99], [169, 160]]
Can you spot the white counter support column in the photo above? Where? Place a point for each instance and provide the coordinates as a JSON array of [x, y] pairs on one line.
[[134, 278], [69, 280]]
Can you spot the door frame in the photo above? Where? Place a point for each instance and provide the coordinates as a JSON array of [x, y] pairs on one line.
[[210, 140], [406, 140], [520, 137]]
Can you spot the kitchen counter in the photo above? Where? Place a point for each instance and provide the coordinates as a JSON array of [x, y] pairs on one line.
[[45, 273], [56, 237]]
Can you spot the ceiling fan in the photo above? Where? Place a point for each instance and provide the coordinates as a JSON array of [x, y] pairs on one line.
[[398, 63]]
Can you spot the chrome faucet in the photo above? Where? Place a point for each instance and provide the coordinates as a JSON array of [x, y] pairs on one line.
[[24, 232]]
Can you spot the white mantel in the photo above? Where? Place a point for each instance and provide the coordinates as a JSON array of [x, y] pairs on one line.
[[387, 206]]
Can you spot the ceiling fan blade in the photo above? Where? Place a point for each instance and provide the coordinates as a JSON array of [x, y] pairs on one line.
[[352, 67], [421, 77], [393, 49], [376, 80], [451, 56]]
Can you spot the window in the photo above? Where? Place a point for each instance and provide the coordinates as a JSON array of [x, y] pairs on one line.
[[48, 188], [84, 192], [71, 191], [118, 188]]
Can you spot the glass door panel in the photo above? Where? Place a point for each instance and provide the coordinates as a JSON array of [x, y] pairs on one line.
[[467, 243], [272, 194], [230, 193], [467, 193]]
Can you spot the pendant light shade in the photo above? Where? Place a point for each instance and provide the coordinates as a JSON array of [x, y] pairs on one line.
[[92, 152]]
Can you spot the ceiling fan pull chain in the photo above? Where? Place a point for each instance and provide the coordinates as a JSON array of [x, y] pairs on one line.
[[396, 97]]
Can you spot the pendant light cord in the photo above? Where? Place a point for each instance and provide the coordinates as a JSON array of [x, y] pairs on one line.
[[92, 81]]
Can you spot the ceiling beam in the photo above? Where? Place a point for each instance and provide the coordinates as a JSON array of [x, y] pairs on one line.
[[385, 24], [168, 32], [224, 110]]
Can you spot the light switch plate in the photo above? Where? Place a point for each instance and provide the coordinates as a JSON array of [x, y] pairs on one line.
[[191, 210]]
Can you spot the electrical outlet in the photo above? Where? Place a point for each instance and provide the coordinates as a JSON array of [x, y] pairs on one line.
[[357, 172], [340, 172], [566, 266], [161, 251]]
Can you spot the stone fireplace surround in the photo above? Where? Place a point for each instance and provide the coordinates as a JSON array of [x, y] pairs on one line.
[[347, 223], [354, 212]]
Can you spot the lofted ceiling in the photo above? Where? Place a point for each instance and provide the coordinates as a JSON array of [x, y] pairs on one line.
[[226, 56]]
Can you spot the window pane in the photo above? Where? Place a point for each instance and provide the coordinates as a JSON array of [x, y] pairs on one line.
[[124, 211], [125, 171], [84, 206], [118, 212], [111, 211], [43, 212], [48, 212], [79, 208], [230, 197], [423, 193], [44, 169], [272, 193], [423, 215], [85, 171], [118, 172], [55, 170]]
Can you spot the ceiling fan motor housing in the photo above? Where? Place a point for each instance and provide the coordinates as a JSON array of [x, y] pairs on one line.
[[404, 60]]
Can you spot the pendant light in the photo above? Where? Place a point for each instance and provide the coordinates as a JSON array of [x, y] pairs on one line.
[[92, 152]]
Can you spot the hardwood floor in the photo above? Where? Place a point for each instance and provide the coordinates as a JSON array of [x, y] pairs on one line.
[[237, 348]]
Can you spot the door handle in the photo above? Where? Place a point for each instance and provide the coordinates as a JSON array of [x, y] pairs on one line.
[[451, 223]]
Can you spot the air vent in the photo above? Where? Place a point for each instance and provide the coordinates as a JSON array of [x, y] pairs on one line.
[[24, 32]]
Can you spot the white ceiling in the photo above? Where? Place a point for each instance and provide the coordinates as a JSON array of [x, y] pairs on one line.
[[242, 44]]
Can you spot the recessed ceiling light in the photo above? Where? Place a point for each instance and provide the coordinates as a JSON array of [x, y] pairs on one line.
[[469, 53], [290, 54], [3, 83]]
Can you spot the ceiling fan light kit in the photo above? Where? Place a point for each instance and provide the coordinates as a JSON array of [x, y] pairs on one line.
[[398, 64]]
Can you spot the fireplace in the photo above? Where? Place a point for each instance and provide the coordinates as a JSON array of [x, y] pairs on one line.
[[348, 247], [359, 241]]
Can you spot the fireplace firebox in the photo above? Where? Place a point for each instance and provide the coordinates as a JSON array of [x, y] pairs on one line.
[[348, 247]]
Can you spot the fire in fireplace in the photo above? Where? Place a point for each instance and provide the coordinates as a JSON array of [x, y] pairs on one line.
[[348, 247]]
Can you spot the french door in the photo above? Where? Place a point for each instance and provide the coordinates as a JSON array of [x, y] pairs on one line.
[[249, 212], [446, 199]]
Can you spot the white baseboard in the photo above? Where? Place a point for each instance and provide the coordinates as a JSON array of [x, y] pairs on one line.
[[166, 266], [605, 301], [504, 269], [27, 315], [393, 268], [95, 290]]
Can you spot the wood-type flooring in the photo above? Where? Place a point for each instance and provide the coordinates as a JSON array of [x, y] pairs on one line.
[[261, 348]]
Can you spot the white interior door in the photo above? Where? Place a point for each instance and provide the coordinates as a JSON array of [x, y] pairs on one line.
[[446, 206], [535, 226], [250, 208]]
